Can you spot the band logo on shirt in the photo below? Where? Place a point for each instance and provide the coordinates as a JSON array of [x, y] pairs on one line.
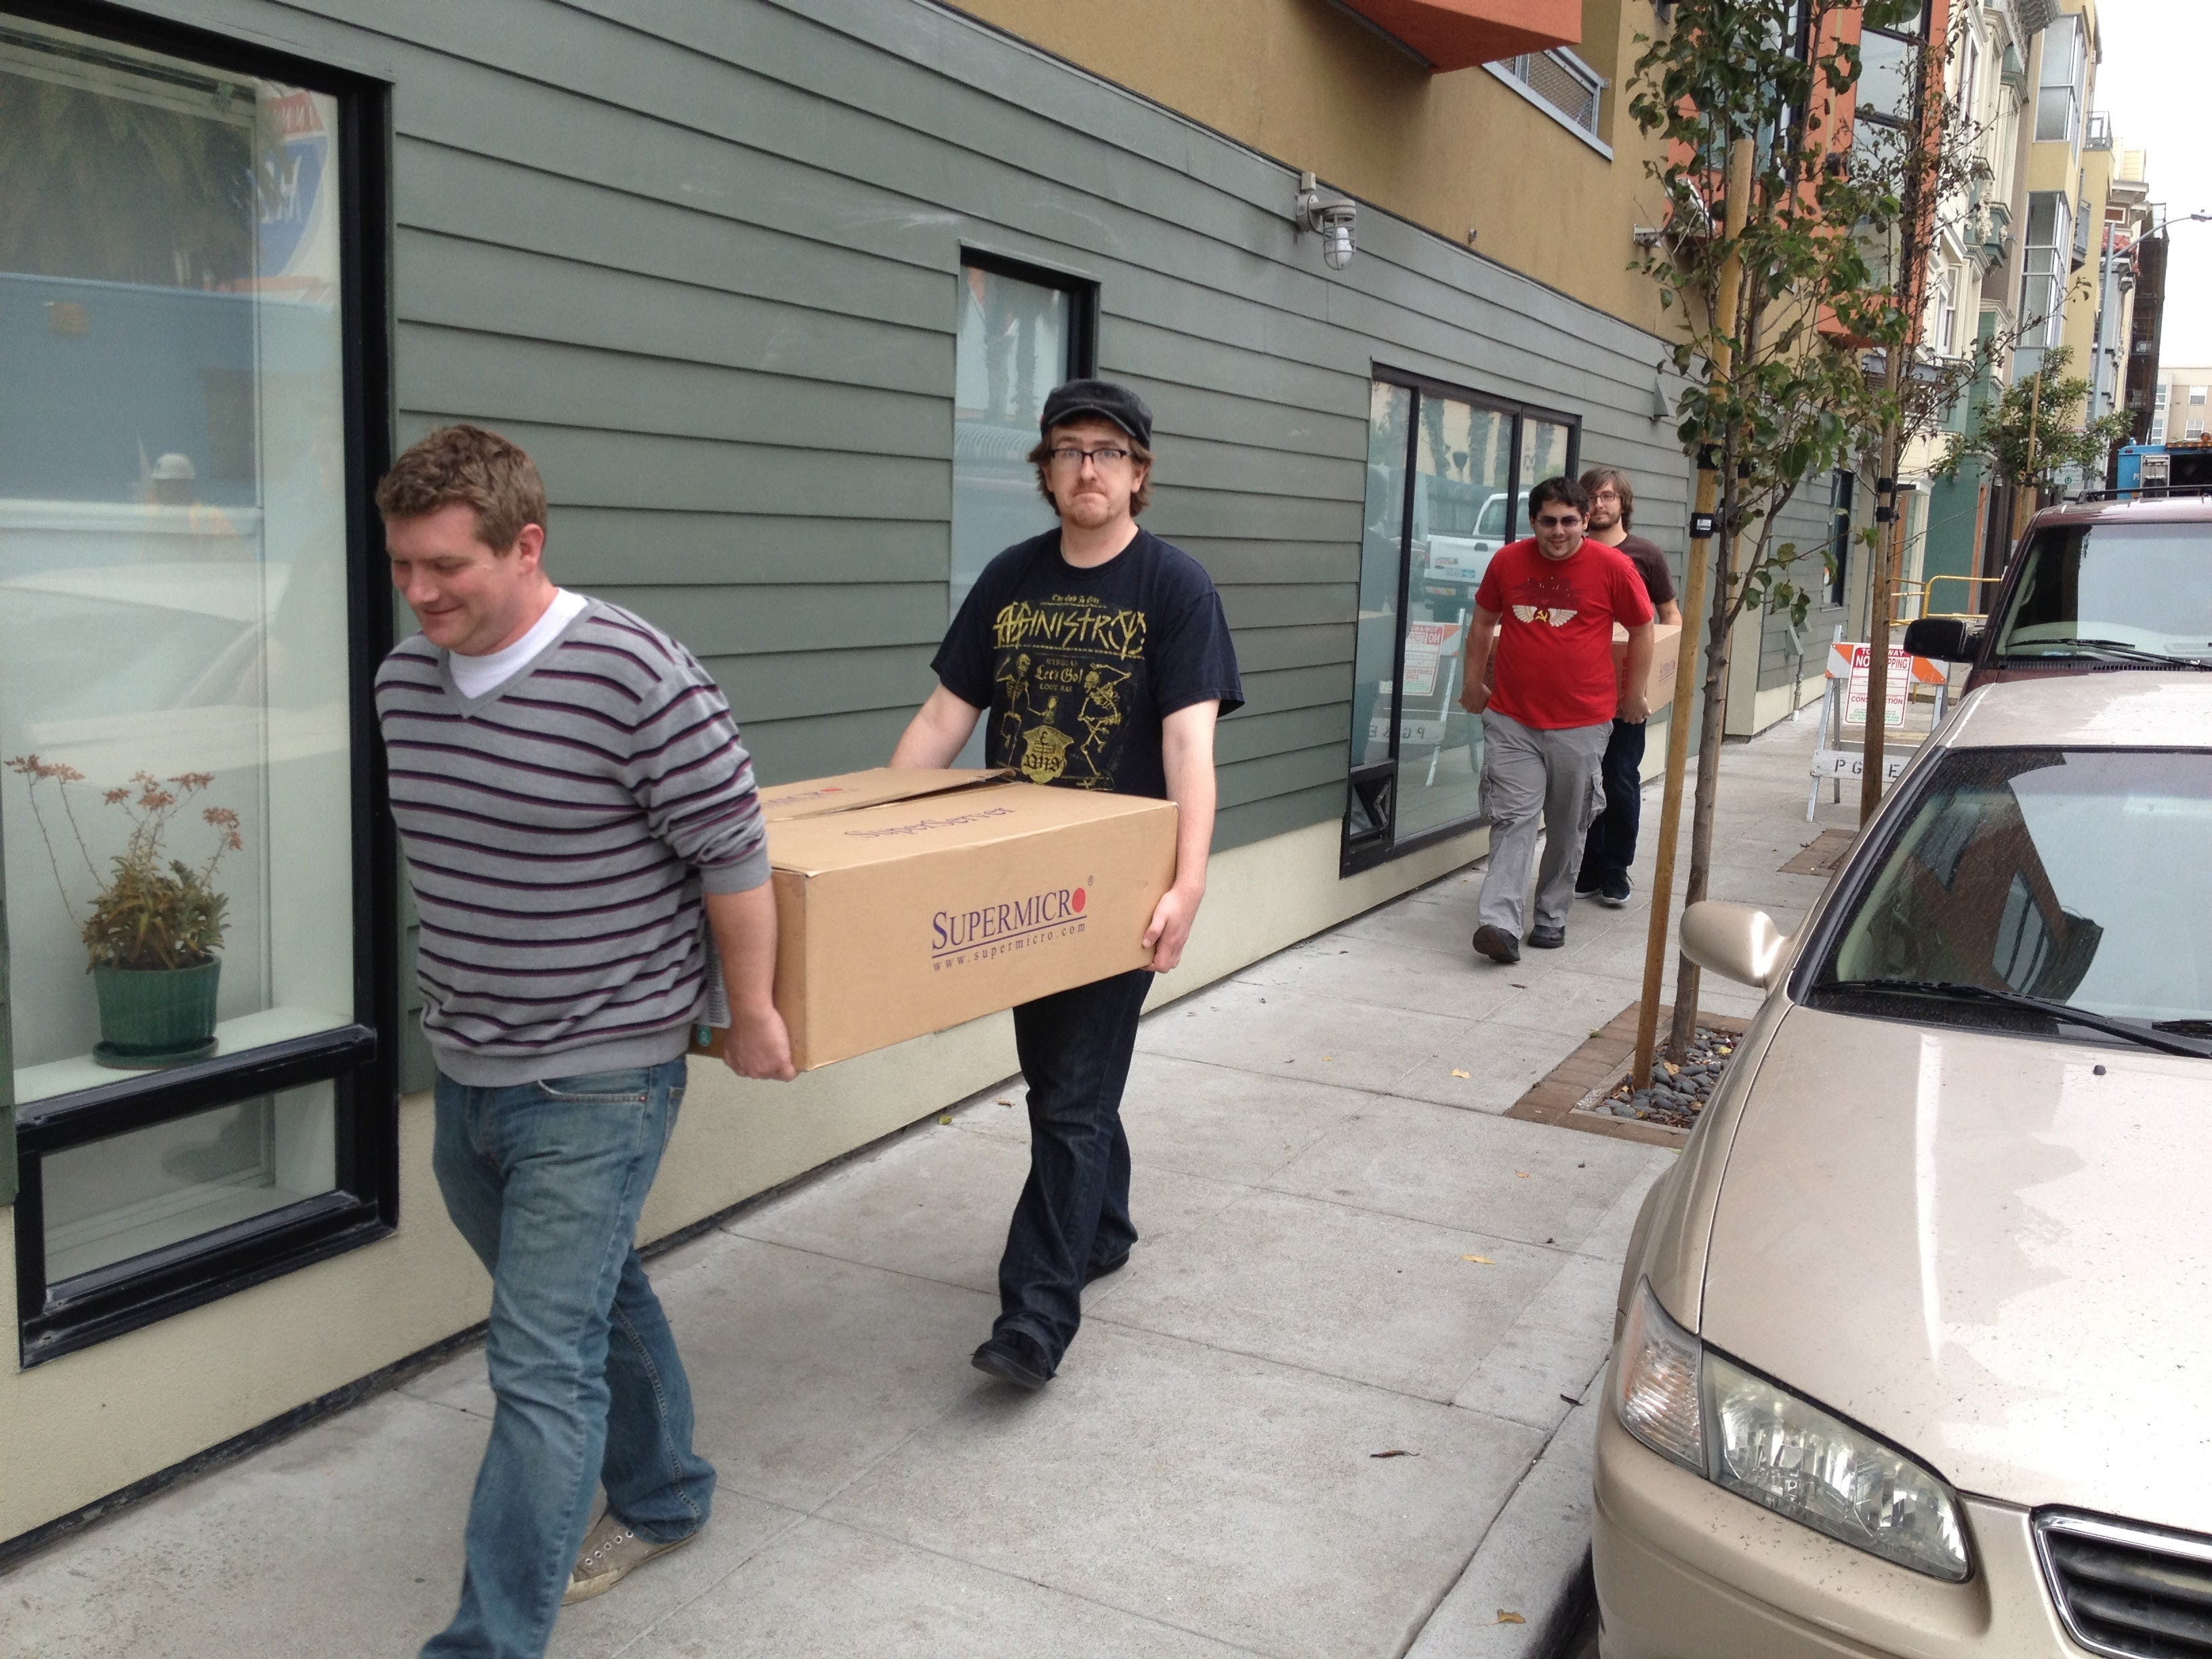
[[1074, 622]]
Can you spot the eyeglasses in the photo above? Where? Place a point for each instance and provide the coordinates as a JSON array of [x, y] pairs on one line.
[[1072, 459], [1553, 521]]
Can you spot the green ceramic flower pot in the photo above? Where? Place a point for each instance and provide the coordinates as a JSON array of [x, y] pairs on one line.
[[155, 1016]]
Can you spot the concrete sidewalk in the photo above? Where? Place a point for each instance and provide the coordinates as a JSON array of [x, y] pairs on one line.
[[1321, 1159]]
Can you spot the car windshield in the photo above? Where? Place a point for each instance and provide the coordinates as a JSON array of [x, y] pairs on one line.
[[2081, 877], [2112, 591]]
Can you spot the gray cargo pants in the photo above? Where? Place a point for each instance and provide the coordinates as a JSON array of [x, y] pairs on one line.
[[1533, 778]]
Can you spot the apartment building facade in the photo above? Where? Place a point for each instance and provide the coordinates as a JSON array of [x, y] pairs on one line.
[[2182, 403], [2047, 256]]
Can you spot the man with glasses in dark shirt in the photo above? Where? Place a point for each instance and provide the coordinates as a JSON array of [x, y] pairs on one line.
[[1104, 657], [1610, 847]]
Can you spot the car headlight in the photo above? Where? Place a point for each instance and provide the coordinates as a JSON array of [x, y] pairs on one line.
[[1776, 1447]]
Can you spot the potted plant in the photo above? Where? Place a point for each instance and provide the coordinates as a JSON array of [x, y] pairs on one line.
[[155, 923]]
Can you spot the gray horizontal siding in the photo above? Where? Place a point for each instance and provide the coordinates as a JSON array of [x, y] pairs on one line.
[[1804, 522], [703, 260]]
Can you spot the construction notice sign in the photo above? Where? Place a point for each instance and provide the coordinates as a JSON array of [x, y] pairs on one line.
[[1426, 642], [1853, 662]]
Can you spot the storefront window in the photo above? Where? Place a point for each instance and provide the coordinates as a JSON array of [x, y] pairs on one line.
[[1462, 501], [1448, 476], [179, 611]]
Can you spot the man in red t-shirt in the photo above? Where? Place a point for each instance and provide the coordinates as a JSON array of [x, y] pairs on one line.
[[1548, 604]]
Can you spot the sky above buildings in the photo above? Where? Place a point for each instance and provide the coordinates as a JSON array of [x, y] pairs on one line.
[[2153, 81]]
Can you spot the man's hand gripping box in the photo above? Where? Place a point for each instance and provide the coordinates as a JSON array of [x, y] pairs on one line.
[[910, 901]]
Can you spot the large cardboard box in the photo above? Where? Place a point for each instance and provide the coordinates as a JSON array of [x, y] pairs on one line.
[[1666, 658], [910, 901]]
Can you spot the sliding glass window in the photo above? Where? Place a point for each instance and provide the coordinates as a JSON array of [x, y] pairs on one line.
[[1448, 476], [192, 969]]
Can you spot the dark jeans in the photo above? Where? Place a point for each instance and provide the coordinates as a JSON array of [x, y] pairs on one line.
[[1610, 847], [1074, 1212], [546, 1180]]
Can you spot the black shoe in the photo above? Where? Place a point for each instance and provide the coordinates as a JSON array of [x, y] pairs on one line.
[[1015, 1358], [1547, 938], [1497, 945], [1615, 890], [1100, 1269], [1588, 886]]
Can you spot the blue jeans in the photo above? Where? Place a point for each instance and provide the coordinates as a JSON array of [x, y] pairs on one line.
[[546, 1180], [1610, 847], [1073, 1215]]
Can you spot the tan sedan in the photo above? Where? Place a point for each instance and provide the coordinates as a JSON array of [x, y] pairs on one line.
[[1914, 1348]]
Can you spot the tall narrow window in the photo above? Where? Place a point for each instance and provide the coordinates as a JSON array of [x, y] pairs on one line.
[[2044, 269], [2058, 89], [1448, 477], [1840, 485], [1021, 334], [190, 991]]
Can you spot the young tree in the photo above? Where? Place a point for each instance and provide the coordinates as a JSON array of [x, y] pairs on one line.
[[1775, 305], [2034, 433]]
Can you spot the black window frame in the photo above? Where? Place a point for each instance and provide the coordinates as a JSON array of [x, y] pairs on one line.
[[361, 1059], [1374, 785], [1082, 293], [1843, 488], [1082, 362]]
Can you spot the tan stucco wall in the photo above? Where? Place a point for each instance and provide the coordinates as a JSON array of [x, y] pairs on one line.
[[1305, 83], [82, 1426]]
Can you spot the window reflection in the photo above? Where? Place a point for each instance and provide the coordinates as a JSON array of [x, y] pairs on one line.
[[2024, 870], [1461, 515], [1440, 502], [1012, 350], [112, 1200], [173, 596]]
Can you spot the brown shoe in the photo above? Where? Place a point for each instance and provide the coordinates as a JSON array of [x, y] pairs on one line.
[[611, 1552]]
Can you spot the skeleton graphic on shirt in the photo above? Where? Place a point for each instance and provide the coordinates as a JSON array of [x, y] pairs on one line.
[[1062, 708]]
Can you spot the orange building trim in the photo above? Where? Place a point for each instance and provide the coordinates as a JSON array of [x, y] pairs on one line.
[[1456, 34]]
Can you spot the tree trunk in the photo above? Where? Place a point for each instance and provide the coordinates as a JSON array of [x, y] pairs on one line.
[[1712, 725]]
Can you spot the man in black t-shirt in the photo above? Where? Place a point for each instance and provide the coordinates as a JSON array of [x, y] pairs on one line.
[[1610, 847], [1102, 657]]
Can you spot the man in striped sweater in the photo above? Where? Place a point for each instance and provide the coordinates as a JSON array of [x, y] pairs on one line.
[[583, 839]]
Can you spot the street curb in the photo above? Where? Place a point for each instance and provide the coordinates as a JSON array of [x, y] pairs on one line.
[[1533, 1560]]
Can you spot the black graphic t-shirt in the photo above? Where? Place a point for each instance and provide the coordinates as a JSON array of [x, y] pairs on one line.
[[1076, 669]]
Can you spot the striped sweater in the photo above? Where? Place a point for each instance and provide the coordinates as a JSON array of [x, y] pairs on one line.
[[559, 832]]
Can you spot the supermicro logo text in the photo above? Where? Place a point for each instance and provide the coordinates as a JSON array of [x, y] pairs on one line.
[[1007, 926]]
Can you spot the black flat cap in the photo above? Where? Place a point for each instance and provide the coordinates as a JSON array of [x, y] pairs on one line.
[[1102, 399]]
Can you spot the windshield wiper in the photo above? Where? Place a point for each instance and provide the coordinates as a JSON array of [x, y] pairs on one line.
[[2199, 1028], [2148, 1036], [2119, 648]]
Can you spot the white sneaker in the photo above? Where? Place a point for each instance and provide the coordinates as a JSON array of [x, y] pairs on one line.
[[611, 1552]]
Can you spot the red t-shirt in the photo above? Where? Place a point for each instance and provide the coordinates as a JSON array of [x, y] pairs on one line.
[[1555, 631]]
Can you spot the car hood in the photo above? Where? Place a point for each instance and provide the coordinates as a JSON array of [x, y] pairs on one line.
[[1992, 1251]]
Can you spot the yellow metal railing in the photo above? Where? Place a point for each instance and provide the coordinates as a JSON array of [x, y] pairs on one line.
[[1913, 599]]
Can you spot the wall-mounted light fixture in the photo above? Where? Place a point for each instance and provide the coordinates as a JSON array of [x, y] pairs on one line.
[[1328, 217], [1646, 235]]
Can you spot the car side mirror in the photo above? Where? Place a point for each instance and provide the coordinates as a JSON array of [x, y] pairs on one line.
[[1943, 639], [1735, 941]]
